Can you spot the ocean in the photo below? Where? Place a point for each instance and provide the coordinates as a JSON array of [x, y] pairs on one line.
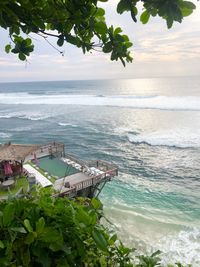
[[150, 128]]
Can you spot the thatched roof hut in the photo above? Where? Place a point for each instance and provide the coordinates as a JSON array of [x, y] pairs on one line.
[[16, 152]]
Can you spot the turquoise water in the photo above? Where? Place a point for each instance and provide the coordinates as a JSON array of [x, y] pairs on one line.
[[150, 128], [56, 167]]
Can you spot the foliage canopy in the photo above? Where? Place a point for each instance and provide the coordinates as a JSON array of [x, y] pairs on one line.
[[80, 23], [44, 231]]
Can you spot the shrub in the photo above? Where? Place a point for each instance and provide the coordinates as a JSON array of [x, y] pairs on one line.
[[40, 230]]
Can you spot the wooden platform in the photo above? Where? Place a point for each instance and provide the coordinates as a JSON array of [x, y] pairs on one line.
[[72, 184]]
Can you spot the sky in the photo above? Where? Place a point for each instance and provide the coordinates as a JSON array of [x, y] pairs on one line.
[[157, 52]]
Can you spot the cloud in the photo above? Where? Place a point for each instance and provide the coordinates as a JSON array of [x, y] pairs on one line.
[[8, 62]]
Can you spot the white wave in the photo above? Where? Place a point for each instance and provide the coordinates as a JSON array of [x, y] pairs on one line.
[[24, 116], [22, 129], [138, 102], [137, 228], [173, 138], [34, 118], [121, 130], [5, 116], [183, 247], [5, 135], [67, 124]]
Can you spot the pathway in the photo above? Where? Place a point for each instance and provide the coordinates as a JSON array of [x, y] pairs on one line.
[[41, 179]]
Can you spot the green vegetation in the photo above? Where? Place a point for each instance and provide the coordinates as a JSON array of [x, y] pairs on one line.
[[80, 23], [40, 230], [20, 183]]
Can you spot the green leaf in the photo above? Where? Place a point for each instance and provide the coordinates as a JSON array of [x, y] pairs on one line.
[[169, 22], [60, 41], [123, 5], [96, 203], [28, 41], [21, 230], [83, 216], [40, 24], [100, 12], [1, 244], [113, 239], [22, 56], [117, 30], [100, 240], [186, 12], [107, 47], [135, 10], [7, 48], [156, 253], [72, 40], [187, 8], [188, 5], [40, 225], [123, 62], [28, 225], [30, 238], [26, 257], [56, 246], [50, 235], [8, 214], [128, 44], [144, 18], [101, 27]]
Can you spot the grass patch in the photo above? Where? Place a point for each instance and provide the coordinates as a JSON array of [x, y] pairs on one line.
[[19, 183]]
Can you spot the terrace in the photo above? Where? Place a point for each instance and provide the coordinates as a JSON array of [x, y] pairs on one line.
[[49, 165]]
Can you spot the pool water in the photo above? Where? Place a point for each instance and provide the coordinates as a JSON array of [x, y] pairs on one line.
[[56, 167]]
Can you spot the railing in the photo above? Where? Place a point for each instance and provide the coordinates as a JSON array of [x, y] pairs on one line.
[[72, 158], [52, 147], [100, 164], [96, 179], [89, 182]]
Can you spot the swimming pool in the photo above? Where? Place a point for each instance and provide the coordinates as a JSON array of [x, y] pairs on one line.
[[56, 167]]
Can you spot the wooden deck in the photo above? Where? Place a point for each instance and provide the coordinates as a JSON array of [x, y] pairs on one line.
[[55, 148], [90, 174], [90, 177], [72, 184]]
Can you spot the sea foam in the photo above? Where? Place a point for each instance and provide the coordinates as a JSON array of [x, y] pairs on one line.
[[176, 138], [178, 243], [183, 247], [5, 135], [24, 116], [137, 102], [67, 124]]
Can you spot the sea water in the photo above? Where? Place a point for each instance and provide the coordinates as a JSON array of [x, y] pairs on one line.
[[150, 128]]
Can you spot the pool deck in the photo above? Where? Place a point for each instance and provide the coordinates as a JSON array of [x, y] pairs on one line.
[[40, 179], [90, 178], [89, 174]]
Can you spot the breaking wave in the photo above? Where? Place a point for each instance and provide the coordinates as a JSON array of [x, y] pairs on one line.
[[67, 124], [178, 243], [137, 102], [183, 247], [5, 135], [179, 139], [24, 116]]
